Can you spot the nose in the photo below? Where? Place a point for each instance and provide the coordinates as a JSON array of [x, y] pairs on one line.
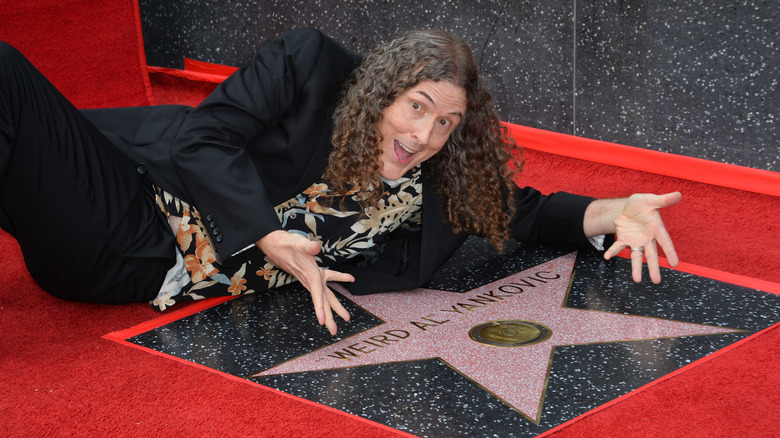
[[424, 130]]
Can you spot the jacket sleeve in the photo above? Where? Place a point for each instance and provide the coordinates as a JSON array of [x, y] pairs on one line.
[[554, 219], [218, 150]]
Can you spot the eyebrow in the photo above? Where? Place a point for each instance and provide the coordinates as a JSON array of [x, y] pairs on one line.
[[427, 96]]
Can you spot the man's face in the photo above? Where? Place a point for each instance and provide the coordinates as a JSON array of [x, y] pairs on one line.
[[418, 124]]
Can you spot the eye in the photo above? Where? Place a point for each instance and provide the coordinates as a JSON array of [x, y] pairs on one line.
[[416, 106], [445, 123]]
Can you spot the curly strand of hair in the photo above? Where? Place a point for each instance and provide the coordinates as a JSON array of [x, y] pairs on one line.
[[471, 173]]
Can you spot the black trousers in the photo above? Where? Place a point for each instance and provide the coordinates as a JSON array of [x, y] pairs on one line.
[[84, 218]]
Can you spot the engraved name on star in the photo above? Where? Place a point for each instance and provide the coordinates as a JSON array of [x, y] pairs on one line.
[[427, 323]]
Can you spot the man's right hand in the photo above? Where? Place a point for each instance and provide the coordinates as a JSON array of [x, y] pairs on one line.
[[294, 254]]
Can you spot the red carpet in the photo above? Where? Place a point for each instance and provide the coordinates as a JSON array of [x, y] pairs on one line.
[[61, 378], [91, 50]]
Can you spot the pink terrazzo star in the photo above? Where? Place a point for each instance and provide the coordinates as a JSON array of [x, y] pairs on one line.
[[427, 323]]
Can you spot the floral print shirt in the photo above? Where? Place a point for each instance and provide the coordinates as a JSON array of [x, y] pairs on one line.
[[343, 234]]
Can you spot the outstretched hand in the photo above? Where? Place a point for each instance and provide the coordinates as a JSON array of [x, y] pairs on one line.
[[295, 253], [639, 227]]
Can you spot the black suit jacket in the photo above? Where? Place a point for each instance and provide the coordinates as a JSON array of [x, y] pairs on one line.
[[264, 135]]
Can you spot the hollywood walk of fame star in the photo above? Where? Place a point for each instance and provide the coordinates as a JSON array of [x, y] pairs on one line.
[[426, 323]]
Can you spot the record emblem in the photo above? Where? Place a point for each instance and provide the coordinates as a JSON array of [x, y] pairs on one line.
[[510, 333]]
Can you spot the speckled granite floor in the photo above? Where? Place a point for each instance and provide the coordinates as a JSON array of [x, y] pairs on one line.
[[688, 77], [496, 345]]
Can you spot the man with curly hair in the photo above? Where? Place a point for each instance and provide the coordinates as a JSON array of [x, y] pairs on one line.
[[311, 164]]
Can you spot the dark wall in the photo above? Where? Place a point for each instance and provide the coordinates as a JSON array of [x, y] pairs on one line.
[[689, 77]]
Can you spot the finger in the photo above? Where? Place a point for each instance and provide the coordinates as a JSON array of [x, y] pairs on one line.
[[319, 307], [614, 249], [335, 305], [338, 276], [315, 288], [328, 301], [314, 248], [651, 254], [330, 323], [670, 199], [665, 200], [636, 265], [665, 241]]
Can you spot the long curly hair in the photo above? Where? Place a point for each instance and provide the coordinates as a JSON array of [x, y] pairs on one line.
[[470, 172]]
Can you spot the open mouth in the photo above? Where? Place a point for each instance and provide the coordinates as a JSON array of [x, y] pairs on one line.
[[401, 152]]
